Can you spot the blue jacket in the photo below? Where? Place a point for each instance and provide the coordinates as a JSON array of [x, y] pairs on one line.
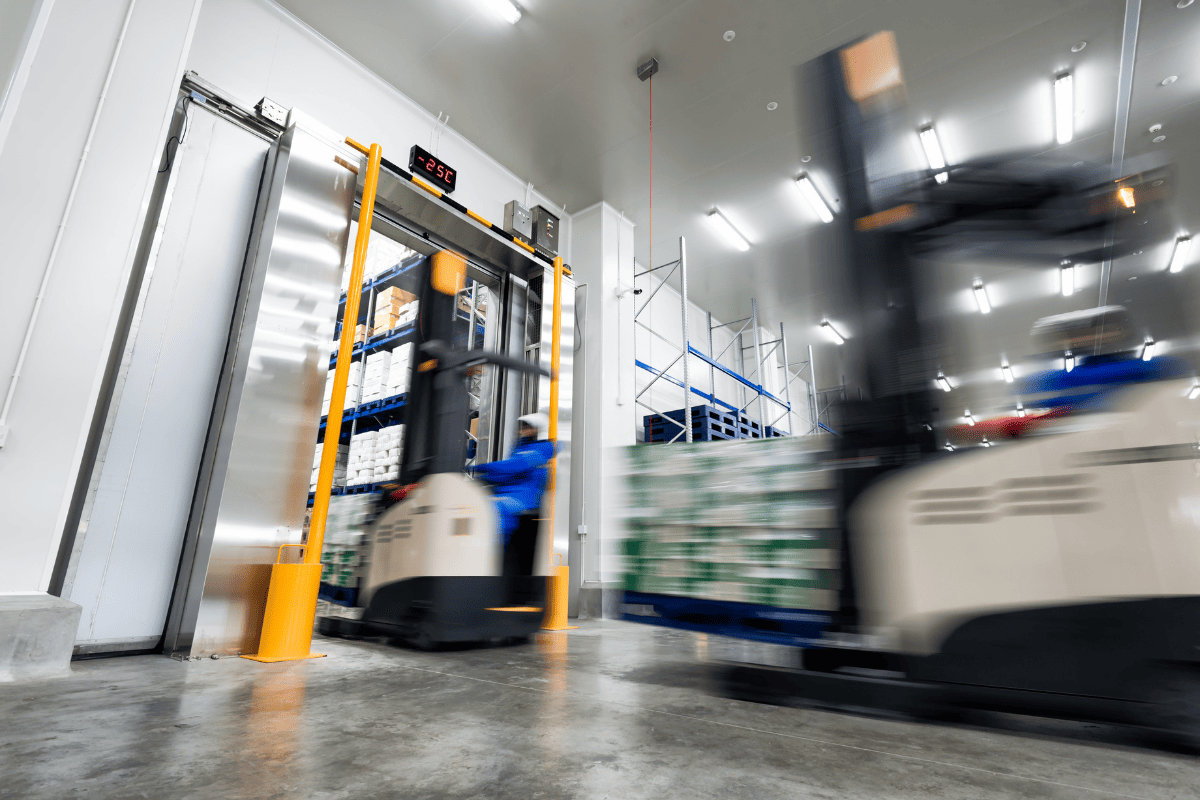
[[518, 482]]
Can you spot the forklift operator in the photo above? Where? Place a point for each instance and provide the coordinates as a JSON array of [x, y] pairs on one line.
[[519, 480]]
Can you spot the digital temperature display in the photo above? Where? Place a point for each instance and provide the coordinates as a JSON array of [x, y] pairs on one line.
[[428, 168]]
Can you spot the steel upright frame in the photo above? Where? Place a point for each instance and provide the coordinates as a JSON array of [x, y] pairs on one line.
[[685, 354]]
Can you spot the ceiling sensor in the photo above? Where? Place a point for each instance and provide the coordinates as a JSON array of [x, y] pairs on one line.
[[1155, 128], [1158, 139], [1156, 183], [806, 159], [729, 36], [772, 106], [1075, 48], [1167, 81]]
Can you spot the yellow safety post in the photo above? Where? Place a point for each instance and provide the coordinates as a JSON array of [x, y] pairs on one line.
[[292, 595], [555, 360], [557, 597]]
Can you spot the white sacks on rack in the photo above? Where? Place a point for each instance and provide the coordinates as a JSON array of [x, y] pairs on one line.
[[388, 444], [360, 467], [375, 376], [339, 470], [353, 388], [397, 382]]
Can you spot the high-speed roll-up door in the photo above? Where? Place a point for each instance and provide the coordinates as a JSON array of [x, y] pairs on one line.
[[136, 513]]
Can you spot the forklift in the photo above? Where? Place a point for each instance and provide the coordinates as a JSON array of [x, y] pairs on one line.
[[438, 572]]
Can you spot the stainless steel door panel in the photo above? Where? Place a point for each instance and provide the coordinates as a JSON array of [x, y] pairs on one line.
[[255, 478]]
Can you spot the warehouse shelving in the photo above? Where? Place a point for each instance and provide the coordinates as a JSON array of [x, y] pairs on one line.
[[687, 352]]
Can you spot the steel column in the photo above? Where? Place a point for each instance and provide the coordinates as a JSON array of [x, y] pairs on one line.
[[687, 378], [812, 391], [758, 366], [787, 383]]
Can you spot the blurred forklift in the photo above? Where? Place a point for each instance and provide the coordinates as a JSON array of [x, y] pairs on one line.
[[1057, 575], [438, 569]]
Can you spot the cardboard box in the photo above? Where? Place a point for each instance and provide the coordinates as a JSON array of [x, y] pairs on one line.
[[394, 294]]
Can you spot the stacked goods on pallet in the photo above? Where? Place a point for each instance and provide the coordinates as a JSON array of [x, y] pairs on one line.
[[360, 464], [382, 254], [374, 456], [343, 555], [736, 521], [375, 376], [397, 378], [353, 388], [389, 442], [339, 469], [393, 307]]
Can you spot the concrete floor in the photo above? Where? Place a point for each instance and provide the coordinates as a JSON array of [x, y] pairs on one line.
[[610, 710]]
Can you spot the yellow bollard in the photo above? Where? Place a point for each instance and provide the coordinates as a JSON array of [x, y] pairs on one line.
[[557, 597], [291, 605]]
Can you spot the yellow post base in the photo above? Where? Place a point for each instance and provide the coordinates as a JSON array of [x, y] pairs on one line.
[[287, 621], [557, 597]]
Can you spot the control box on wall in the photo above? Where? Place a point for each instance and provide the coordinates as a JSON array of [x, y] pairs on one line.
[[545, 231]]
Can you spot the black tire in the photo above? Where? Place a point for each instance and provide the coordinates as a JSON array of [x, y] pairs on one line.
[[422, 639]]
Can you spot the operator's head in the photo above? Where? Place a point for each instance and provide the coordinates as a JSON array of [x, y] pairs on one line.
[[533, 427]]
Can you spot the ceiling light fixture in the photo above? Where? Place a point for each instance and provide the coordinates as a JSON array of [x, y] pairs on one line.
[[949, 447], [832, 333], [1179, 256], [933, 152], [1159, 139], [1194, 392], [985, 442], [804, 185], [507, 10], [1069, 361], [1020, 410], [1007, 370], [1148, 349], [944, 382], [1075, 48], [1064, 108], [1183, 3], [728, 36], [1125, 194], [772, 106], [726, 231], [985, 305], [970, 419], [1167, 81], [1068, 278]]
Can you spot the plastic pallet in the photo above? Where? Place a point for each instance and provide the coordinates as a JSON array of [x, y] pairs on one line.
[[667, 432], [788, 626], [775, 433], [709, 421], [338, 595]]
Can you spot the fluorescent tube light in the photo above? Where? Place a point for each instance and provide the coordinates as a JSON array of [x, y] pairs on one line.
[[804, 185], [970, 419], [933, 152], [943, 382], [1068, 361], [1064, 108], [1148, 350], [985, 305], [1020, 410], [985, 442], [1179, 257], [832, 333], [726, 231], [1125, 195], [1194, 392], [1068, 279], [949, 447], [507, 10], [1007, 370]]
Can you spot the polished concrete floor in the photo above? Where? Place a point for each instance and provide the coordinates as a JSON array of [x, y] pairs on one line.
[[609, 710]]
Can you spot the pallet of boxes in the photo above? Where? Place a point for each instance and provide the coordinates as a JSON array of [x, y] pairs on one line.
[[394, 308], [345, 551], [741, 521]]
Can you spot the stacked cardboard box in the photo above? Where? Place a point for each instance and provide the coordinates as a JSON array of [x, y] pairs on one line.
[[344, 554], [751, 521], [339, 470], [393, 307], [360, 465]]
